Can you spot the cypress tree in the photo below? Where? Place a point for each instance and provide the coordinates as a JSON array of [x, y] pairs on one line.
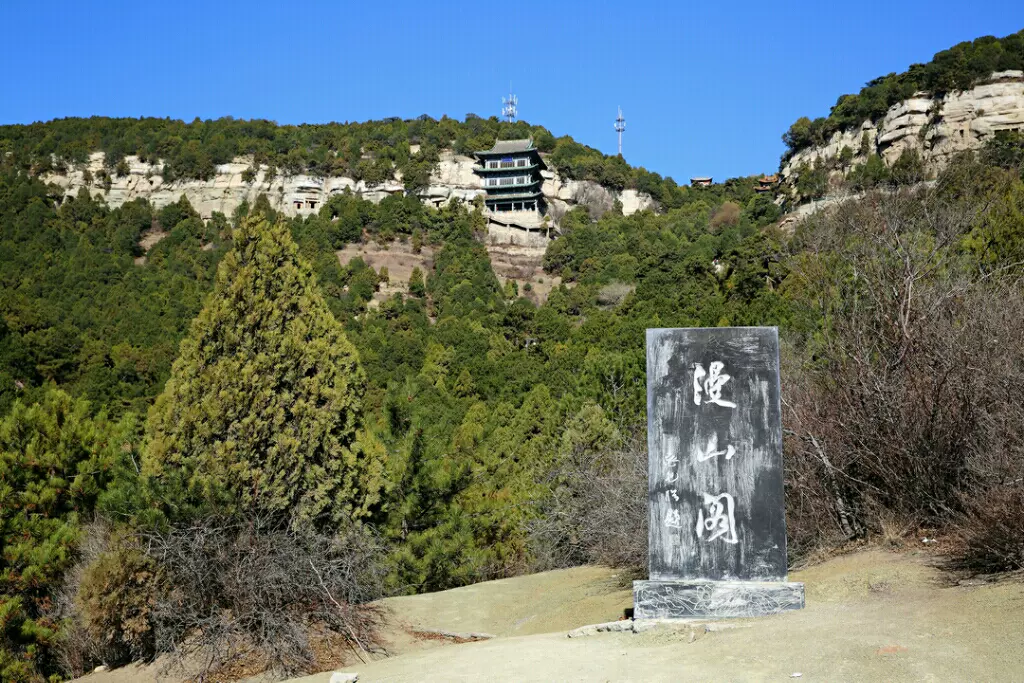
[[263, 409]]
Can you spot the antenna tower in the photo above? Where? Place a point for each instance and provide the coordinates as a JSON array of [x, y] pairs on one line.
[[620, 126], [510, 106]]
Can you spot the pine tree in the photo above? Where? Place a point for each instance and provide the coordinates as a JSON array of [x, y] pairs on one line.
[[55, 459], [263, 410]]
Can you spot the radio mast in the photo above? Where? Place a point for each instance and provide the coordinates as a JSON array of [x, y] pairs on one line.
[[620, 126], [510, 106]]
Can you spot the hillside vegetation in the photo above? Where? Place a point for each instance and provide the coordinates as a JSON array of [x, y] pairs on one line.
[[225, 447], [373, 151], [958, 68]]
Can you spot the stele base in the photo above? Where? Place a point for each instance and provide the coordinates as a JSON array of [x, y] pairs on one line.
[[688, 599]]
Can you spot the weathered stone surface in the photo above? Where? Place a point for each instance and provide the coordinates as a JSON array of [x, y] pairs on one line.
[[607, 627], [634, 201], [455, 170], [937, 128], [646, 625], [717, 531], [684, 624], [682, 599], [295, 195], [498, 233], [727, 448]]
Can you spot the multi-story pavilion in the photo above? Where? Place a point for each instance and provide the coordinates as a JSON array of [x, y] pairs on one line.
[[511, 175]]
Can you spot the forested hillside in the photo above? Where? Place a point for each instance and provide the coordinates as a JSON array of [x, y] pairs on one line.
[[957, 68], [371, 151], [231, 405]]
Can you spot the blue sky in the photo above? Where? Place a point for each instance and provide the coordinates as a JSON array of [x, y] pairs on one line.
[[707, 88]]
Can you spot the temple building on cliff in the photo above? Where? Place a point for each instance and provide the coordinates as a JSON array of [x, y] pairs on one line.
[[511, 176]]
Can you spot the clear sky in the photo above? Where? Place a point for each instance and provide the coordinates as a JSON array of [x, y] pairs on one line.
[[707, 88]]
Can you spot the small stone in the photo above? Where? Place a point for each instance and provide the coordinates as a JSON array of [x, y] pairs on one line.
[[101, 668], [607, 627], [795, 674], [724, 626], [639, 626], [344, 677]]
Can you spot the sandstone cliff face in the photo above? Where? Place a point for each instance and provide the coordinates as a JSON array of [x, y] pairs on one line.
[[304, 194], [937, 128]]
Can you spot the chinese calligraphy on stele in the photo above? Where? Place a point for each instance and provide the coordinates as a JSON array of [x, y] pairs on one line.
[[710, 382], [713, 451], [720, 521], [716, 519]]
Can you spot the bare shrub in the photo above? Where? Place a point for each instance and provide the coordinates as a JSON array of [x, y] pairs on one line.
[[614, 293], [76, 650], [991, 538], [909, 400], [727, 215], [599, 512], [115, 602], [260, 590]]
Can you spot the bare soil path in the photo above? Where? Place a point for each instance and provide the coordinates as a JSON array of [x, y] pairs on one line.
[[871, 616]]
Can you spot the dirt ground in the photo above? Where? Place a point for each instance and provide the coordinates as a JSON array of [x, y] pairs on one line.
[[873, 615], [870, 616], [523, 265], [397, 257], [147, 241]]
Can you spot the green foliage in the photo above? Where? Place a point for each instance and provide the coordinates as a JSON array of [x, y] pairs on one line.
[[1005, 150], [417, 287], [416, 171], [263, 410], [446, 397], [998, 238], [348, 217], [294, 382], [872, 173], [908, 169], [55, 462], [812, 181], [372, 152], [75, 307], [957, 68], [804, 133]]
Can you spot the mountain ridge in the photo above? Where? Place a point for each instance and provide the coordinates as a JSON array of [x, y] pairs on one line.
[[303, 194], [929, 127]]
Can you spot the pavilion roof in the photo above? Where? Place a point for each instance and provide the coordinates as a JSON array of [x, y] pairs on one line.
[[509, 147]]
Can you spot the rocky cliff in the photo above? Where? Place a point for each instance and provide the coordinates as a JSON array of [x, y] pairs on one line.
[[304, 194], [936, 127]]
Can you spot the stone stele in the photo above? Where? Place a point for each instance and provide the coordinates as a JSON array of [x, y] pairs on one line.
[[715, 481]]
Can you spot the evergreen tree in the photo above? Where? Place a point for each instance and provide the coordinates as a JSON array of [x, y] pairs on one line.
[[55, 460], [263, 410], [417, 287]]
